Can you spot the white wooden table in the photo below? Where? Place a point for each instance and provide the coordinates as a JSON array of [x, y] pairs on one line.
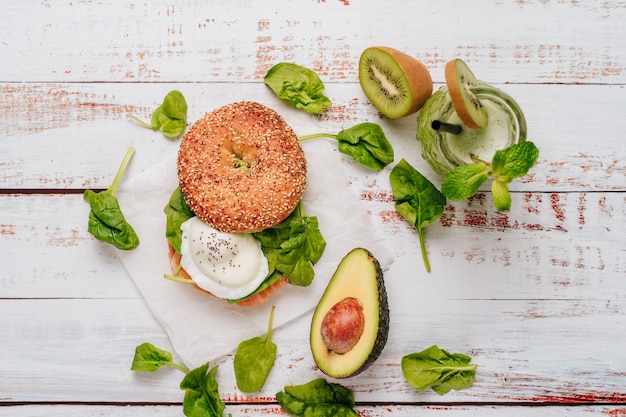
[[536, 295]]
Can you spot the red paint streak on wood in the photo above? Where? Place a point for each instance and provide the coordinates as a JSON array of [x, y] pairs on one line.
[[581, 209], [31, 108], [263, 25], [391, 216], [350, 112], [532, 201], [583, 398], [246, 399], [615, 412], [377, 196], [557, 207], [264, 56], [7, 229], [345, 2], [56, 237], [478, 215]]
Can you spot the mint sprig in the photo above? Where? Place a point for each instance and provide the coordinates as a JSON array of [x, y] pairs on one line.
[[507, 164]]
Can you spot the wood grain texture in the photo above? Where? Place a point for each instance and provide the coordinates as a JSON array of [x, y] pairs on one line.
[[240, 40], [536, 296], [528, 351], [364, 410], [89, 122]]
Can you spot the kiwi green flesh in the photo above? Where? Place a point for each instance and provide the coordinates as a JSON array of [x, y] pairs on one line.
[[473, 105], [384, 83]]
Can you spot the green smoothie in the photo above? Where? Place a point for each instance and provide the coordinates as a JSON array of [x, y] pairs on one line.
[[444, 151]]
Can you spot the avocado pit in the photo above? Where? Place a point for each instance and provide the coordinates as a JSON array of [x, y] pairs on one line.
[[343, 325]]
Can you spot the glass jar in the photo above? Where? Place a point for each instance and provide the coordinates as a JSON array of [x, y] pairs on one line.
[[444, 151]]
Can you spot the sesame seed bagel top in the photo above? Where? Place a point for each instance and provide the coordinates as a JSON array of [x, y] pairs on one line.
[[241, 168]]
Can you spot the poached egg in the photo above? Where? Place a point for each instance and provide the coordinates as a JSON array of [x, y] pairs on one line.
[[228, 265]]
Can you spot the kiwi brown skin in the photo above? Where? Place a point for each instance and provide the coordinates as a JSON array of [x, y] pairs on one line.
[[404, 72], [466, 105]]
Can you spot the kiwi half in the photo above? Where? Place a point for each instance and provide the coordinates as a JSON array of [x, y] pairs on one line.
[[460, 81], [396, 83]]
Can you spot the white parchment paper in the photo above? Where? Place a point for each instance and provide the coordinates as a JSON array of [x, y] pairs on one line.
[[202, 328]]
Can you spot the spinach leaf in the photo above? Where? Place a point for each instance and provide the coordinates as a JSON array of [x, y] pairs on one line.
[[438, 369], [417, 200], [170, 117], [177, 212], [201, 393], [293, 247], [149, 358], [201, 398], [317, 398], [299, 86], [365, 142], [254, 359], [106, 220]]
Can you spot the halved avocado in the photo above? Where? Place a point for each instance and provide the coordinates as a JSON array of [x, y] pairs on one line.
[[350, 324]]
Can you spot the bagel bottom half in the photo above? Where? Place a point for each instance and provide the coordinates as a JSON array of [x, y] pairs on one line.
[[256, 299]]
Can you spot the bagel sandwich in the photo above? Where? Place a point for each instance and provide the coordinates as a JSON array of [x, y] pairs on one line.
[[236, 228]]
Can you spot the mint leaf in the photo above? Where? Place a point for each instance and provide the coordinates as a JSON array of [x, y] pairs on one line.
[[463, 181], [501, 195], [507, 164], [514, 161]]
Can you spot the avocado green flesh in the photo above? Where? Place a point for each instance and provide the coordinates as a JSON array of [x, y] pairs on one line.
[[358, 275]]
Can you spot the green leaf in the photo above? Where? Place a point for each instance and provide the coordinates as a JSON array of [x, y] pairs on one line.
[[367, 144], [463, 181], [170, 117], [514, 161], [201, 393], [501, 195], [317, 398], [254, 359], [439, 370], [106, 220], [177, 212], [299, 86], [174, 105], [149, 358], [293, 246], [417, 199]]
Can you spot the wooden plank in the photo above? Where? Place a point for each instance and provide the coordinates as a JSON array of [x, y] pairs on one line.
[[551, 245], [239, 41], [527, 351], [89, 122], [363, 410]]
